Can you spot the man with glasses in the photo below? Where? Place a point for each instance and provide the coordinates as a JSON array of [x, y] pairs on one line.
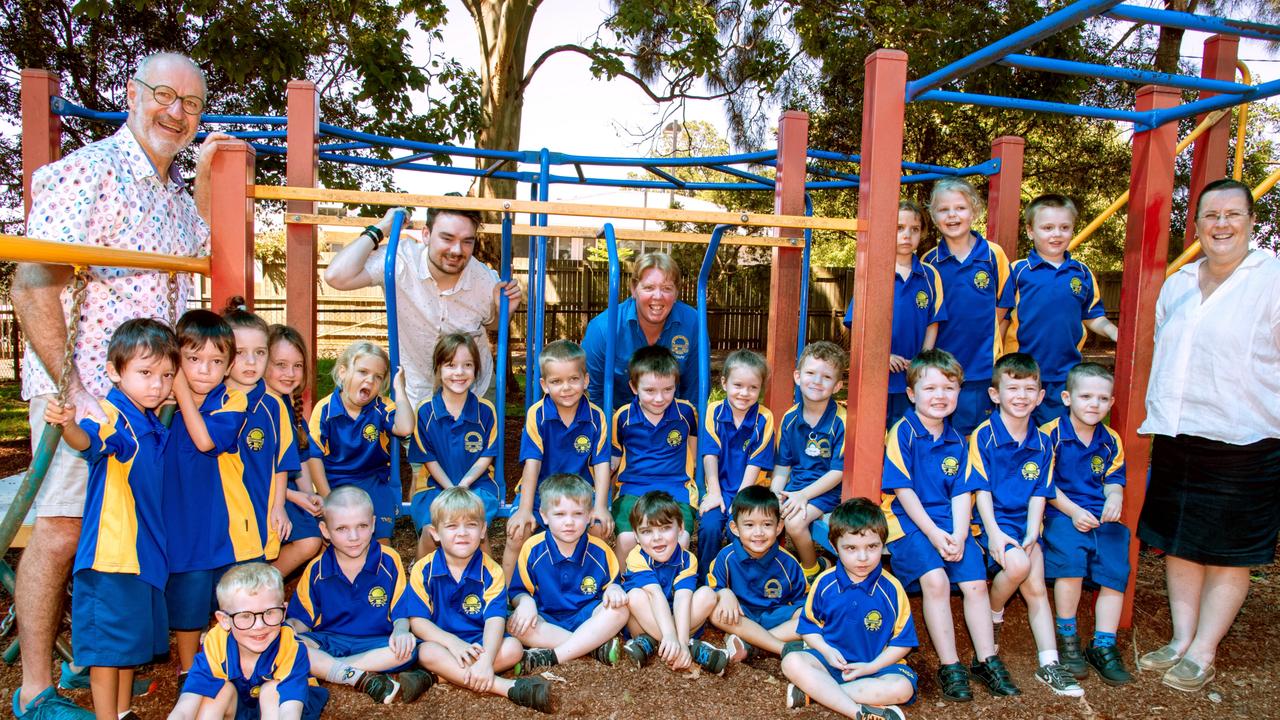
[[121, 192]]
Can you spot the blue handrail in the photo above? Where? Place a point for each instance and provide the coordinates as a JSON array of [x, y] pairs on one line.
[[802, 332], [1145, 77], [531, 389], [504, 351], [704, 342], [539, 311], [393, 331], [611, 315], [1192, 21]]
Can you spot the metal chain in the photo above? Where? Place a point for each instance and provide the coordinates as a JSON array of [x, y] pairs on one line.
[[173, 300], [79, 288]]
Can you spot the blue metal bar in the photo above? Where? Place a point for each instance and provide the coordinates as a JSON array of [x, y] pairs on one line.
[[1217, 102], [531, 388], [1106, 72], [1191, 21], [1144, 120], [540, 327], [66, 108], [1049, 25], [704, 341], [348, 134], [393, 323], [802, 333], [665, 176], [766, 183], [611, 316], [504, 352], [338, 147], [248, 135], [739, 159]]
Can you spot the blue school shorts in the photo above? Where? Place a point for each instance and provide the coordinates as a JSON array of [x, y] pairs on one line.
[[420, 507], [317, 698], [305, 525], [774, 616], [386, 505], [912, 556], [117, 620], [899, 668], [192, 597], [573, 620], [339, 645], [1051, 407], [993, 567], [973, 407], [1100, 555]]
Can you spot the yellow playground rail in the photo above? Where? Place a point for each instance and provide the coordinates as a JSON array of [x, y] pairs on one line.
[[15, 248]]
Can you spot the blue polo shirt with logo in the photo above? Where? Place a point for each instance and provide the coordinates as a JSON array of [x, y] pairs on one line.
[[1048, 308], [326, 601], [355, 450], [679, 572], [1081, 470], [572, 449], [1013, 472], [737, 447], [760, 583], [813, 451], [859, 619], [284, 662], [933, 468], [679, 335], [455, 443], [917, 304], [973, 287], [656, 457], [266, 447], [562, 585], [459, 607]]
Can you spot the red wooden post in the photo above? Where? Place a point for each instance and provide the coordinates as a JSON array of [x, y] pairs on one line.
[[1146, 250], [41, 129], [1005, 195], [879, 183], [1209, 153], [788, 262], [301, 170], [231, 223]]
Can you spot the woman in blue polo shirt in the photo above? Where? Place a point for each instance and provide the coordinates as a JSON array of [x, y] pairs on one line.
[[651, 316]]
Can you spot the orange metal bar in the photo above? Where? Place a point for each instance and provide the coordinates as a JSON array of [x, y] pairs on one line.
[[15, 248], [41, 129], [1209, 155], [1005, 194], [302, 169], [231, 223], [788, 263]]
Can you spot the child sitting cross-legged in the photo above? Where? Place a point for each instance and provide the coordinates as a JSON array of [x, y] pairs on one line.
[[566, 595], [349, 606]]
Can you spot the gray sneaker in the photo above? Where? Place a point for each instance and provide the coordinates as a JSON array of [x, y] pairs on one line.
[[1059, 679]]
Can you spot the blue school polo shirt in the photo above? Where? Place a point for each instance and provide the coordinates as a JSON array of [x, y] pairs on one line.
[[123, 530], [656, 457], [1012, 472], [266, 446], [197, 510], [304, 455], [973, 287], [563, 584], [933, 468], [679, 572], [859, 619], [459, 607], [1080, 470], [812, 451], [355, 450], [367, 606], [1048, 308], [917, 304], [284, 661], [572, 449], [760, 583], [679, 335], [455, 443], [737, 447]]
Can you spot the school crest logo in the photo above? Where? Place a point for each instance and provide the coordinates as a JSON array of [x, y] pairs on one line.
[[1095, 464], [950, 466], [680, 346], [674, 438], [982, 279], [922, 299], [773, 588], [820, 447], [582, 444], [472, 442], [873, 621], [370, 433], [471, 604], [255, 439], [1077, 286], [1030, 471], [256, 690], [589, 586], [378, 596]]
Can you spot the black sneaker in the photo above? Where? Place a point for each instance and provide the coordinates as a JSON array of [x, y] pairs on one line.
[[954, 680], [993, 673], [1109, 665], [379, 687], [610, 652], [874, 712], [796, 698], [708, 656], [639, 648], [533, 693], [1059, 679], [1070, 657], [535, 660], [413, 683]]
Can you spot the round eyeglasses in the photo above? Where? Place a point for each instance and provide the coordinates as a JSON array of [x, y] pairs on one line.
[[246, 619], [166, 96]]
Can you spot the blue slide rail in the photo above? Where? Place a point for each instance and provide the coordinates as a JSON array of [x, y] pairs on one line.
[[393, 328], [704, 341], [501, 362], [611, 316]]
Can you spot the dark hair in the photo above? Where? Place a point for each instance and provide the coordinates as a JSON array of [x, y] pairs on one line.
[[433, 213], [912, 206], [141, 338], [197, 327], [753, 498], [1017, 366], [940, 360], [284, 333], [447, 346], [238, 315], [856, 516], [1222, 185], [656, 508], [1088, 370], [653, 360]]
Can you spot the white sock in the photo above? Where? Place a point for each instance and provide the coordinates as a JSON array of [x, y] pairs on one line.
[[126, 712], [1048, 657], [997, 616]]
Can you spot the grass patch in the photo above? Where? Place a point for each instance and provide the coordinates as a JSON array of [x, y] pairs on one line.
[[13, 412]]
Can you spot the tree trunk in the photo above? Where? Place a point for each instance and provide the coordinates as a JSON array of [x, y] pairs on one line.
[[1169, 45]]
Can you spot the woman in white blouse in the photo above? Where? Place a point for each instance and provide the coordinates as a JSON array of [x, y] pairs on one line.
[[1213, 405]]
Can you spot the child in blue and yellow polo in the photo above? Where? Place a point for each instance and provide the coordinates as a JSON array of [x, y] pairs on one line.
[[1052, 298], [461, 448], [118, 613], [737, 445], [856, 624], [267, 453]]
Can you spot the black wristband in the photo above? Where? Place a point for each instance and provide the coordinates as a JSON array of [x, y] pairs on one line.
[[374, 233]]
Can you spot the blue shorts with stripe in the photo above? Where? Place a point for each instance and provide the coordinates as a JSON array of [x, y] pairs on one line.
[[1100, 555], [192, 597], [912, 556], [339, 645], [993, 567], [896, 669], [771, 618], [117, 620], [571, 621], [305, 525]]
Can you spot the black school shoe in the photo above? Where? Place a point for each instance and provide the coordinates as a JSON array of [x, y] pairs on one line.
[[413, 683], [1109, 665], [1070, 656], [954, 680], [709, 657], [531, 692], [993, 673]]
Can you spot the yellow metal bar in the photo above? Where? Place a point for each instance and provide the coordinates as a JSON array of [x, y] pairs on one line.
[[1242, 122], [1194, 249], [285, 192], [15, 248]]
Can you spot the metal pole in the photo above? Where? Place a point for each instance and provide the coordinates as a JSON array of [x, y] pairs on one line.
[[802, 332], [530, 353], [704, 340], [540, 310], [611, 314], [503, 359], [393, 330]]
